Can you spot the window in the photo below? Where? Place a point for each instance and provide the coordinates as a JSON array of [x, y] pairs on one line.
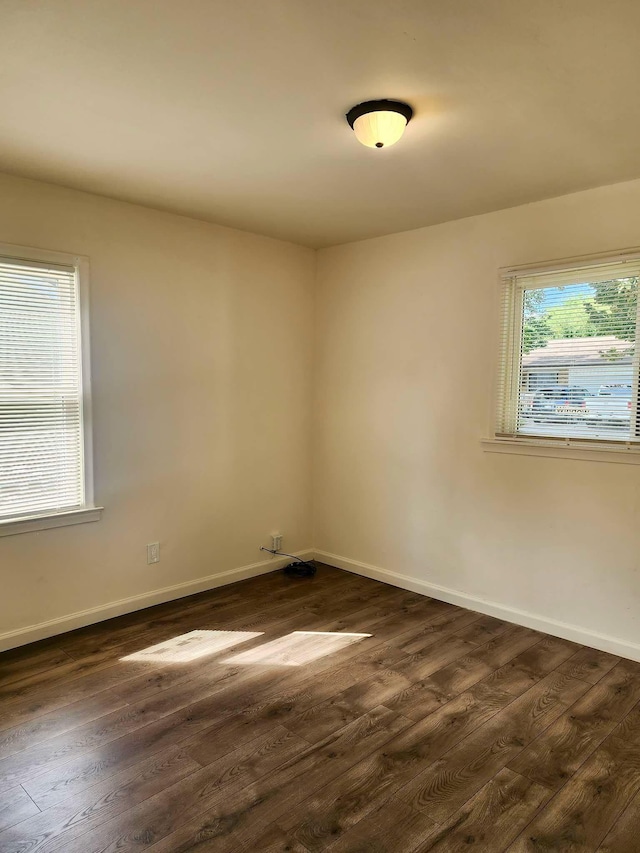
[[45, 440], [569, 356]]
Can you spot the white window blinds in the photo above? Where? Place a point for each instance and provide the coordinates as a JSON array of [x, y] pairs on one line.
[[569, 357], [41, 429]]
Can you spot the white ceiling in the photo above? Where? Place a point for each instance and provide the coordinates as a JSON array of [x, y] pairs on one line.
[[233, 110]]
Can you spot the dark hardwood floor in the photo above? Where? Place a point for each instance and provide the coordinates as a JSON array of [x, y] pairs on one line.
[[336, 714]]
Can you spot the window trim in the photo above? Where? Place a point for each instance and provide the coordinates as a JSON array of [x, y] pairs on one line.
[[563, 449], [508, 373], [89, 511]]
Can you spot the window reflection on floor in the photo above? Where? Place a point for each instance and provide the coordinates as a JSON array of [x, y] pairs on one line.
[[296, 649], [191, 646]]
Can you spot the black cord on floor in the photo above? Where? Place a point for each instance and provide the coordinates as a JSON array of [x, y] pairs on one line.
[[299, 569]]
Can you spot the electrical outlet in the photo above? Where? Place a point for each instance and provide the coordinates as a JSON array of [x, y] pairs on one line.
[[153, 553], [276, 539]]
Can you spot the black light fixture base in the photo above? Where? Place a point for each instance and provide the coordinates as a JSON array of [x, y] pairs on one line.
[[383, 105]]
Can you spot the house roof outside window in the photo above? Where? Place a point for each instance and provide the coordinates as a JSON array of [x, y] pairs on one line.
[[599, 350]]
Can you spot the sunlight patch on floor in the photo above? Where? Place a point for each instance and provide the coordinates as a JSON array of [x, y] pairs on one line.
[[297, 648], [191, 646]]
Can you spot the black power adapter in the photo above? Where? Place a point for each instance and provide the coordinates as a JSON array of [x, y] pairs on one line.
[[302, 569], [298, 569]]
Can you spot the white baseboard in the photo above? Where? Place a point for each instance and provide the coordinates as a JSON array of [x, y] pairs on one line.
[[51, 628], [605, 643]]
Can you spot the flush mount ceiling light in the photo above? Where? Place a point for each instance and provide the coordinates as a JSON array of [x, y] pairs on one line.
[[378, 124]]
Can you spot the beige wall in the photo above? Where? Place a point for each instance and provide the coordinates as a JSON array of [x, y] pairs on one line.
[[407, 338], [203, 378], [202, 381]]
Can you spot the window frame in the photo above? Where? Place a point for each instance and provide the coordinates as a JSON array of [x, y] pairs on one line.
[[509, 358], [88, 511]]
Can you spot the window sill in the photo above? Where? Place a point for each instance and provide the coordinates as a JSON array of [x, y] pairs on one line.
[[31, 523], [625, 453]]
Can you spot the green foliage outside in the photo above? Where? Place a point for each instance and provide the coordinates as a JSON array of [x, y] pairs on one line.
[[572, 318], [610, 309], [536, 333]]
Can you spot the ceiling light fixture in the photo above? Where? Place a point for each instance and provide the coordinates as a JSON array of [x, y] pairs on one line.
[[378, 124]]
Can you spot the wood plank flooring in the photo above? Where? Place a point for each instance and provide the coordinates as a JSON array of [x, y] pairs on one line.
[[336, 714]]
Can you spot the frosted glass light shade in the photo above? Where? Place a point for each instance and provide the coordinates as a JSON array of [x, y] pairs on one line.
[[380, 129], [378, 124]]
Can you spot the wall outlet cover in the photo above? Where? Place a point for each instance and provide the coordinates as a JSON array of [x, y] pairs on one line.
[[153, 553]]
